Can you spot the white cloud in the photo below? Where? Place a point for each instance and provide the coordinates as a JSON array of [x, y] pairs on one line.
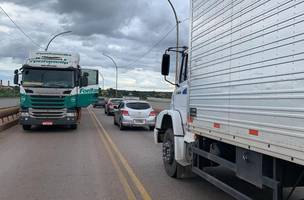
[[95, 32]]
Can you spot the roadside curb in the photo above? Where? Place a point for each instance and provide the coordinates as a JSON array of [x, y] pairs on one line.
[[8, 125], [8, 117]]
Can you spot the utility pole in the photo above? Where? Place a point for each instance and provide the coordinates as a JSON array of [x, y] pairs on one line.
[[177, 39], [47, 46], [115, 68]]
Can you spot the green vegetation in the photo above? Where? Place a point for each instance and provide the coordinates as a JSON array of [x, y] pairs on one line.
[[141, 94], [14, 92], [9, 91]]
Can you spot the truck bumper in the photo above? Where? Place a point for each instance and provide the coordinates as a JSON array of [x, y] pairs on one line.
[[130, 122], [37, 121]]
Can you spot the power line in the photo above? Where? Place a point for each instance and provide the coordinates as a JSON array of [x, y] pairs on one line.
[[157, 43], [20, 29]]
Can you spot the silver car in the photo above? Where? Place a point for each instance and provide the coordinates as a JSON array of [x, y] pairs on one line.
[[134, 113]]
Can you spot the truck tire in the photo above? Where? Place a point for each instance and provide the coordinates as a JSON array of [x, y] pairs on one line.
[[73, 126], [26, 127], [169, 161]]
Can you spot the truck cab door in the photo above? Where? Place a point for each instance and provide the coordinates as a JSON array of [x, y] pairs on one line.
[[180, 100], [180, 96], [88, 94]]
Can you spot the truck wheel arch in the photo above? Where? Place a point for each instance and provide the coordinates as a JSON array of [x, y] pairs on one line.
[[166, 122], [168, 119]]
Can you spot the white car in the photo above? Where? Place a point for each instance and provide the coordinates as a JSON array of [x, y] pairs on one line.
[[134, 113]]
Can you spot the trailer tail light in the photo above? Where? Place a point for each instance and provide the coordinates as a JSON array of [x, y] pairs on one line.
[[190, 120], [124, 112], [254, 132], [152, 114], [216, 125]]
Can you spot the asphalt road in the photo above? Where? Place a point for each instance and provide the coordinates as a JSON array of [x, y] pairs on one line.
[[96, 161]]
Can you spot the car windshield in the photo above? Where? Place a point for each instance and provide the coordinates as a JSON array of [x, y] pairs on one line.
[[138, 105], [48, 78]]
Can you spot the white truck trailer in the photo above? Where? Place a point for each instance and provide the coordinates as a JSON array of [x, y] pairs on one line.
[[239, 97]]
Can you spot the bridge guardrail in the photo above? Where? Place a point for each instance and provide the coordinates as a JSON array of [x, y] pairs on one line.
[[8, 117]]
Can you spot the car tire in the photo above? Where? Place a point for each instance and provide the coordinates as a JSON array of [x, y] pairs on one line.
[[151, 128], [169, 161], [26, 127]]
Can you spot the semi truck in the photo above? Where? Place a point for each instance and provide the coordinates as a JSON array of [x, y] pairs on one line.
[[238, 103], [54, 88]]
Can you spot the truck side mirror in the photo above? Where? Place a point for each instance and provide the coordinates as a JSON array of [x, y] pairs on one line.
[[84, 79], [166, 64], [16, 77]]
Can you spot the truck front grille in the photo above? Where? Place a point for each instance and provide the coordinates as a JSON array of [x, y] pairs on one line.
[[47, 114], [47, 102]]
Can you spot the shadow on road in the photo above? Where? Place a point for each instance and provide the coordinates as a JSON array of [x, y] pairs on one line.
[[50, 129], [137, 129]]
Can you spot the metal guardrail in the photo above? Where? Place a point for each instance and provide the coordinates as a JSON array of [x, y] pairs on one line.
[[8, 117]]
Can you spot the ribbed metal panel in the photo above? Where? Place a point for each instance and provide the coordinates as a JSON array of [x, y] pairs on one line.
[[47, 102], [247, 73], [47, 113]]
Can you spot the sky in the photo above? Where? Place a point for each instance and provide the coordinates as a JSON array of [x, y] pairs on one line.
[[125, 30]]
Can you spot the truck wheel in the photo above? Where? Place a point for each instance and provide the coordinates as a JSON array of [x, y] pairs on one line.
[[168, 154], [26, 127], [73, 126]]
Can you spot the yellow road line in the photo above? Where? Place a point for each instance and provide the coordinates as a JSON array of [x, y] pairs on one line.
[[145, 195], [122, 178]]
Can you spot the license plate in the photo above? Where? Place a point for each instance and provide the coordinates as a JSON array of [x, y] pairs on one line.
[[139, 121], [47, 123]]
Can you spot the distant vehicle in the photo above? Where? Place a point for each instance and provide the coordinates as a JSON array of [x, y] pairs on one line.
[[238, 99], [101, 101], [111, 105], [130, 98], [134, 113], [53, 89]]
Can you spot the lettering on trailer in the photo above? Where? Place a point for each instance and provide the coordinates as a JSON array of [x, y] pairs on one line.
[[38, 59]]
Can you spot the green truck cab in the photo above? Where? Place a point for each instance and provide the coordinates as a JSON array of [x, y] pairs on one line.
[[54, 88]]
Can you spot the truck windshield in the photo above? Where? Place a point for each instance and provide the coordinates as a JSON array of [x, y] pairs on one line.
[[48, 78]]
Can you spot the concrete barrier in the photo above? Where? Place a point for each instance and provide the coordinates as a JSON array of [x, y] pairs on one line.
[[159, 104], [8, 117]]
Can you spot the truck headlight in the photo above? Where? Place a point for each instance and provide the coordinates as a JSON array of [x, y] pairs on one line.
[[72, 114], [25, 114]]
